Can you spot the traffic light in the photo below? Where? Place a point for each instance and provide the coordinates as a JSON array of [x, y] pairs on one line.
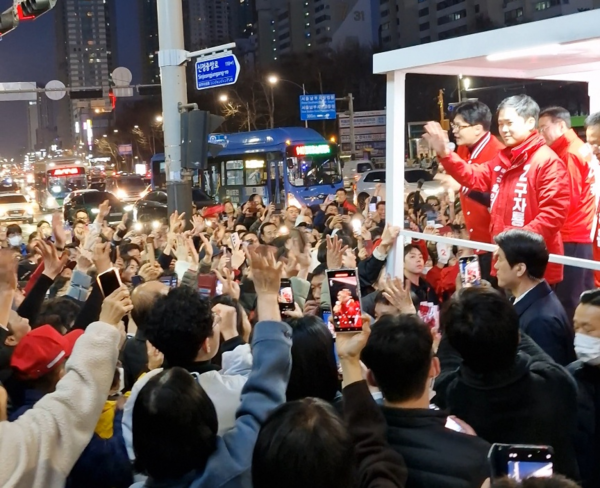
[[9, 20], [34, 8], [196, 125]]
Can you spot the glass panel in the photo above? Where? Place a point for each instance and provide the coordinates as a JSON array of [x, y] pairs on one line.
[[234, 173]]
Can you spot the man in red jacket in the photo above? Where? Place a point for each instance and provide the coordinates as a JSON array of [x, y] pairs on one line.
[[528, 182], [555, 127], [476, 145], [592, 135]]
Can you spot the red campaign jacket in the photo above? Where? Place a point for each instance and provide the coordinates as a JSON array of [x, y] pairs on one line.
[[529, 186], [477, 216], [578, 226]]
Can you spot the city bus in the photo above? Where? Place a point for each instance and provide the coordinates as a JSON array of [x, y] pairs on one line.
[[55, 179], [285, 166]]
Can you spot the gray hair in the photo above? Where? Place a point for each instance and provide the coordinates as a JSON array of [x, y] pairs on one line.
[[592, 120], [524, 105]]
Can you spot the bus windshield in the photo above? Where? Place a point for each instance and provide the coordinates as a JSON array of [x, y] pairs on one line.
[[314, 170], [60, 186]]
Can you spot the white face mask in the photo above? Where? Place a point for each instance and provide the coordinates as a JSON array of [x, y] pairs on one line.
[[587, 349], [15, 241]]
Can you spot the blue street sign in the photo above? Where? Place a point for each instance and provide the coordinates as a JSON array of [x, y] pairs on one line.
[[219, 70], [220, 139], [317, 107]]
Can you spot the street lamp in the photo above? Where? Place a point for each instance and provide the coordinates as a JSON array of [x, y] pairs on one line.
[[159, 118], [116, 131], [136, 126], [104, 135], [223, 98], [273, 80], [467, 83]]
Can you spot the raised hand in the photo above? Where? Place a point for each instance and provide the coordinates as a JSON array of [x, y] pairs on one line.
[[266, 271], [115, 306], [399, 295], [230, 286], [53, 265], [437, 138], [335, 252]]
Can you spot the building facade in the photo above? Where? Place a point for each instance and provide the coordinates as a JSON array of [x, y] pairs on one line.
[[301, 26]]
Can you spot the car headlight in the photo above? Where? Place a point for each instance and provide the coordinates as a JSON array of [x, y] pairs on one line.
[[121, 194], [128, 208]]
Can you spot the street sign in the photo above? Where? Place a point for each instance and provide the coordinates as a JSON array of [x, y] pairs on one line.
[[317, 107], [220, 139], [125, 149], [218, 70], [28, 91]]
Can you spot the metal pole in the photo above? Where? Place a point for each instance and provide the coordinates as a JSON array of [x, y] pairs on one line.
[[272, 108], [304, 93], [459, 88], [172, 57], [352, 135]]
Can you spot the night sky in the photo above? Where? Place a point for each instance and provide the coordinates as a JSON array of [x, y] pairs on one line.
[[28, 54]]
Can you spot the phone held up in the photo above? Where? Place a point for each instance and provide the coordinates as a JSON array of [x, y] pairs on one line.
[[109, 281], [520, 462], [286, 296], [344, 290], [470, 271]]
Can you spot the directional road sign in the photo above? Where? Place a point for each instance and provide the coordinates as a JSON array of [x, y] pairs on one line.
[[317, 107], [218, 70]]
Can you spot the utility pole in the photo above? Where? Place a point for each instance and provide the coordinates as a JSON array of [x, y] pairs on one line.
[[172, 58], [352, 135], [304, 93]]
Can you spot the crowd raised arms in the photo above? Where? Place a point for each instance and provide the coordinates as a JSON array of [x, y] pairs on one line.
[[244, 346]]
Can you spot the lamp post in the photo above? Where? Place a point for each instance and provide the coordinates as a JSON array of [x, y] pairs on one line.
[[273, 80]]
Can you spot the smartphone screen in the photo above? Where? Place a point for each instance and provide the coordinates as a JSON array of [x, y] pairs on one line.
[[207, 285], [453, 425], [356, 225], [520, 462], [170, 281], [286, 296], [372, 207], [219, 288], [235, 240], [109, 281], [470, 272], [344, 291]]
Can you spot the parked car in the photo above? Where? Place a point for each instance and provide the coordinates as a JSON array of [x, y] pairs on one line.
[[90, 200], [352, 171], [153, 206], [9, 186], [366, 184], [127, 188], [15, 208]]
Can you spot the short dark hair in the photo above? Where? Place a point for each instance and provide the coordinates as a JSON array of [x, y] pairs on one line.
[[557, 113], [318, 271], [379, 204], [13, 229], [380, 298], [179, 324], [592, 120], [42, 222], [63, 311], [474, 113], [340, 190], [303, 443], [590, 297], [524, 105], [125, 248], [523, 246], [556, 481], [483, 326], [334, 205], [174, 426], [399, 353], [79, 210], [231, 302], [314, 368], [261, 231], [409, 247]]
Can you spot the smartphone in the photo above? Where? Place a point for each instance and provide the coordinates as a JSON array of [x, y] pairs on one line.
[[286, 296], [136, 280], [219, 288], [356, 226], [169, 280], [373, 204], [235, 240], [207, 285], [470, 271], [453, 425], [520, 462], [430, 223], [325, 316], [344, 290], [109, 281]]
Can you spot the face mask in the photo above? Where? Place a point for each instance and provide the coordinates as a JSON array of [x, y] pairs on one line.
[[587, 349], [15, 241]]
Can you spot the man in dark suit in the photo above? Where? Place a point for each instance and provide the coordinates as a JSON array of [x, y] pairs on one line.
[[401, 362], [521, 262]]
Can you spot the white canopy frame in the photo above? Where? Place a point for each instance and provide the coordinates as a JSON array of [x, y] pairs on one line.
[[563, 48]]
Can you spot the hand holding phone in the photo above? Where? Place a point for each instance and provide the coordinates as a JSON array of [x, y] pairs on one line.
[[344, 291], [285, 297], [470, 272], [109, 281], [520, 462]]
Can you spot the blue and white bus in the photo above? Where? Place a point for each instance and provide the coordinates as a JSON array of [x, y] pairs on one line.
[[286, 166]]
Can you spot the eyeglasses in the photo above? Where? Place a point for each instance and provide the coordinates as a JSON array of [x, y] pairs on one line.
[[458, 128]]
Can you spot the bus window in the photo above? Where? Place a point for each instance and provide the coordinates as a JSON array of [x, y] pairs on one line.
[[255, 172], [234, 173], [309, 170]]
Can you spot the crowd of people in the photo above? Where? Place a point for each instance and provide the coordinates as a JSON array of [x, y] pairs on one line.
[[191, 373]]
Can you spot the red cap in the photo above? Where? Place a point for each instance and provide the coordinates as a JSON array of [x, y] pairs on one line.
[[42, 350], [212, 211]]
